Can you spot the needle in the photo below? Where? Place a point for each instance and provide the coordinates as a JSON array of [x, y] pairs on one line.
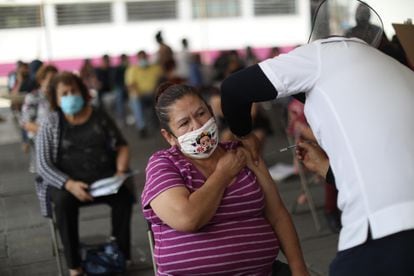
[[289, 147]]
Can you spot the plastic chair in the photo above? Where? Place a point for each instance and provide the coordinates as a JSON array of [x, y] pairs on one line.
[[57, 252], [56, 249]]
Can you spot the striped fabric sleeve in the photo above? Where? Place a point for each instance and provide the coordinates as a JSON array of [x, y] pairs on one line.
[[161, 174], [45, 146]]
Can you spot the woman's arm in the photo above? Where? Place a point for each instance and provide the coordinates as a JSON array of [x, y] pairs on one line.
[[46, 145], [188, 212], [116, 141], [278, 216], [122, 160]]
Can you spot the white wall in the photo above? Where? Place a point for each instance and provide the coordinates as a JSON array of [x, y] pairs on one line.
[[393, 11], [65, 42], [62, 42]]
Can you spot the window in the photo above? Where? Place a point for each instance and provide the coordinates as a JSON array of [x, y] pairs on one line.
[[151, 10], [20, 17], [80, 13], [269, 7], [215, 8]]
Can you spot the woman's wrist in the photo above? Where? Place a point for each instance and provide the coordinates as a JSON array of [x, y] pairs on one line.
[[68, 185], [299, 269], [323, 168], [121, 171]]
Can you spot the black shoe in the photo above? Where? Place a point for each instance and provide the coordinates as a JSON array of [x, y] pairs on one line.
[[333, 220]]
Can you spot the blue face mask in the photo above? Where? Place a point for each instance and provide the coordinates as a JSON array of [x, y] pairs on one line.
[[143, 63], [71, 104]]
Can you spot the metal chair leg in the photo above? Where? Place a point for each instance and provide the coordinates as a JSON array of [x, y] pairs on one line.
[[151, 244], [311, 204], [55, 246]]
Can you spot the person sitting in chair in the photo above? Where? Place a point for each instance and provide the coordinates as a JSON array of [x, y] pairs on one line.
[[76, 146], [211, 210]]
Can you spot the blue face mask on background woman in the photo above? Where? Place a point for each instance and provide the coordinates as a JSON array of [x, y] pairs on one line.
[[143, 63], [71, 104]]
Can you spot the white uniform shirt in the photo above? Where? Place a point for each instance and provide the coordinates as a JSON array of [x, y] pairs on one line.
[[360, 106]]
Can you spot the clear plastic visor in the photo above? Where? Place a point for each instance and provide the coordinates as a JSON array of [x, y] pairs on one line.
[[347, 18]]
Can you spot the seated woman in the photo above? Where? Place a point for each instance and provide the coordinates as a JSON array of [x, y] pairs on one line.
[[77, 145], [212, 211]]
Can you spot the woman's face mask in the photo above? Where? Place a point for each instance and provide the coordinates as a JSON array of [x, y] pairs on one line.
[[200, 143], [71, 104]]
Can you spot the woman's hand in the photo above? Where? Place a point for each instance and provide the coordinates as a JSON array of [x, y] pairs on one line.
[[79, 189], [231, 163], [252, 144], [250, 163]]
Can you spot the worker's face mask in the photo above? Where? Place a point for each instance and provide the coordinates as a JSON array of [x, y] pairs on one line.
[[347, 18], [200, 143]]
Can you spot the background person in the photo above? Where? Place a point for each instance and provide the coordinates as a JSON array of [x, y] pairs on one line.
[[35, 108], [121, 91], [210, 209], [87, 73], [105, 74], [76, 146], [164, 54], [141, 80]]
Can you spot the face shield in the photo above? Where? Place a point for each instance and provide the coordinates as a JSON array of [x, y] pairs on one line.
[[347, 18]]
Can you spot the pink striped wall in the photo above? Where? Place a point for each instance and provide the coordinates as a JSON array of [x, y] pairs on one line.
[[74, 64]]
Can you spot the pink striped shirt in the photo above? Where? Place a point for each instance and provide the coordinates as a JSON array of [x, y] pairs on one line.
[[237, 241]]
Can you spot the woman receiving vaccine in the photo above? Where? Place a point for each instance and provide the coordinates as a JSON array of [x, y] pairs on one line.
[[212, 211]]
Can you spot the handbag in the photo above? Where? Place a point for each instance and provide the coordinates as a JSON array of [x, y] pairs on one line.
[[104, 259]]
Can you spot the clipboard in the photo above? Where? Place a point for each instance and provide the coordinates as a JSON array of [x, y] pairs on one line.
[[405, 33]]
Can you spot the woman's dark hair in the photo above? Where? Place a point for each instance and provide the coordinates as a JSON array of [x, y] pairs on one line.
[[166, 95], [66, 78]]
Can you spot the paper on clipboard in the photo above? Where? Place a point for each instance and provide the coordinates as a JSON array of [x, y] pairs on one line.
[[107, 186], [405, 33]]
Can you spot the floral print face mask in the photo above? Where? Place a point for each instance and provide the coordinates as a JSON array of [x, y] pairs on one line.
[[200, 143]]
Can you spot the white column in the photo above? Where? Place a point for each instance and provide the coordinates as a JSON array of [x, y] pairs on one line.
[[185, 10], [50, 23], [247, 8], [119, 12]]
